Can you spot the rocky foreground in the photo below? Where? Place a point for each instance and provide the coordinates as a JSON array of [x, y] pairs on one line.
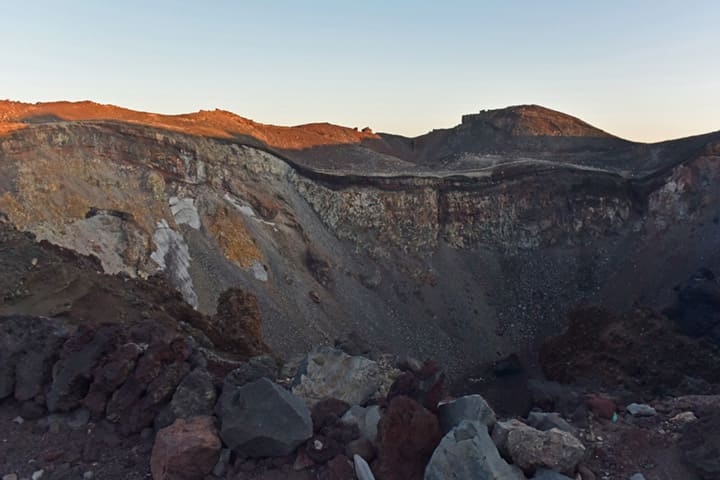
[[108, 402], [126, 381], [121, 379]]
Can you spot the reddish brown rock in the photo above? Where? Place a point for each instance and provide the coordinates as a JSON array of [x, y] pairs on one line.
[[186, 450], [236, 328], [601, 407], [158, 372], [339, 468], [327, 412], [408, 434], [427, 386]]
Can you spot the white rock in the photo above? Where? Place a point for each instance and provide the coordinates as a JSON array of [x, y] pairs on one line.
[[641, 410], [37, 474], [173, 255], [362, 469], [684, 417], [259, 271], [185, 212]]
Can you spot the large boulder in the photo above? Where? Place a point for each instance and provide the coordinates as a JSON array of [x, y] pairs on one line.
[[262, 419], [330, 373], [186, 450], [531, 449], [408, 434], [470, 407], [28, 348], [500, 434], [468, 453]]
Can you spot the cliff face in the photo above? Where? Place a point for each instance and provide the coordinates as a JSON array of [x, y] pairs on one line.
[[444, 246]]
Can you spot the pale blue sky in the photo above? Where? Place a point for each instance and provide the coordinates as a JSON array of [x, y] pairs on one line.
[[645, 70]]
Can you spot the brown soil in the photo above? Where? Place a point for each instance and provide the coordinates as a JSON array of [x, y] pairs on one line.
[[641, 352], [63, 453]]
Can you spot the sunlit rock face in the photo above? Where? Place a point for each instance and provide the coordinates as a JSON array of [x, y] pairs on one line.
[[460, 245]]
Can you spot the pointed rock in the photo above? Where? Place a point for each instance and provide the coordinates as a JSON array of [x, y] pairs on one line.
[[468, 453], [262, 419], [470, 407]]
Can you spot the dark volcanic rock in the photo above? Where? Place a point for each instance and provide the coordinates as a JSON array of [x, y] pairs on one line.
[[547, 420], [339, 468], [701, 444], [158, 373], [697, 307], [427, 386], [73, 373], [143, 409], [254, 369], [509, 365], [261, 419], [469, 407], [195, 396], [28, 348], [110, 375], [186, 450], [556, 397], [408, 434], [327, 413]]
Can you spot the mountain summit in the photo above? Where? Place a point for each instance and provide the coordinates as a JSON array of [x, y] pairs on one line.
[[533, 121]]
